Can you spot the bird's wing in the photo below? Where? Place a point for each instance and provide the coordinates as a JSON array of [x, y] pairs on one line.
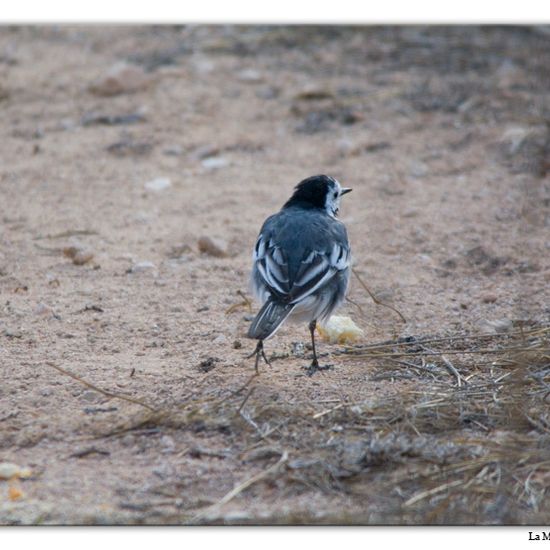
[[272, 264], [316, 268]]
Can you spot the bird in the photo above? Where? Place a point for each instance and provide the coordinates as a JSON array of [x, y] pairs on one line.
[[301, 263]]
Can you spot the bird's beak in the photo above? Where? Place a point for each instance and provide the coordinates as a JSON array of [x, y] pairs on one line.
[[345, 190]]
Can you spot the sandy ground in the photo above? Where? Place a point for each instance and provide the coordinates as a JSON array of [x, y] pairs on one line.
[[444, 135]]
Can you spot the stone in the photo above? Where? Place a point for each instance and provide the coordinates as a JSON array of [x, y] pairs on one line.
[[158, 184], [173, 150], [142, 267], [418, 169], [9, 470], [168, 444], [213, 163], [268, 92], [489, 298], [78, 254], [213, 247], [43, 310], [498, 325], [121, 78], [128, 147], [179, 250], [250, 75], [313, 92], [11, 333], [205, 151], [83, 257], [90, 396]]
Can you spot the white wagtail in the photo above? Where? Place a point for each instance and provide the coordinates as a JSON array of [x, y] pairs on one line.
[[301, 262]]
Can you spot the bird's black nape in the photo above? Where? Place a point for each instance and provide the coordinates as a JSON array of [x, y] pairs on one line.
[[311, 192]]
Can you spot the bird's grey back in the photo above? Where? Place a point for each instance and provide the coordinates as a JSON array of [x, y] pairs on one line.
[[300, 232]]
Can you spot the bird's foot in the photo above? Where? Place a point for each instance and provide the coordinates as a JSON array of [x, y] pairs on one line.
[[315, 367], [259, 352]]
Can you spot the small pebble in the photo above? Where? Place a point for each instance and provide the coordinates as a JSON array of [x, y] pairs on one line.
[[127, 146], [267, 92], [179, 250], [167, 443], [89, 396], [78, 254], [213, 247], [52, 280], [250, 75], [500, 325], [297, 349], [173, 150], [121, 78], [313, 92], [43, 310], [141, 267], [9, 470], [163, 470], [346, 146], [213, 163], [67, 124], [83, 257], [14, 493], [418, 169], [158, 184], [205, 151]]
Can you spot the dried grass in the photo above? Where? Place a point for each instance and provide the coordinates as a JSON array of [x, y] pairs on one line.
[[461, 442]]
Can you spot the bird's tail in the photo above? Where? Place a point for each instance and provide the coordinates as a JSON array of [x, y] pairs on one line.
[[269, 319]]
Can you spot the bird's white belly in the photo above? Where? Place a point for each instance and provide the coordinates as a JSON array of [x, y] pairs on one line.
[[310, 308]]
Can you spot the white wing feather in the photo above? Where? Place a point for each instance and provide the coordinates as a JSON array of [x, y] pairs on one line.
[[316, 270]]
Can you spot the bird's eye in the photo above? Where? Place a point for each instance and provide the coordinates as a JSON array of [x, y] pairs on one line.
[[335, 194]]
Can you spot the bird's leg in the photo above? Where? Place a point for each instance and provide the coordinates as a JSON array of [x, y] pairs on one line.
[[259, 352], [312, 326], [314, 367]]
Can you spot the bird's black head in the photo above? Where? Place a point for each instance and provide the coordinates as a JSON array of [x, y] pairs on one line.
[[321, 192]]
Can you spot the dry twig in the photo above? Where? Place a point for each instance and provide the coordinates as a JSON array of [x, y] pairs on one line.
[[241, 487], [99, 390], [245, 303], [375, 299]]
